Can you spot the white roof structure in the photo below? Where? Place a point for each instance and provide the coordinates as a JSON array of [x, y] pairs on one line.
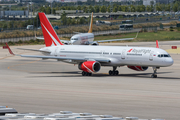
[[11, 114]]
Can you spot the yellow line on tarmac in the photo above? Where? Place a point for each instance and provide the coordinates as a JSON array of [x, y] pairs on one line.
[[5, 57], [175, 51]]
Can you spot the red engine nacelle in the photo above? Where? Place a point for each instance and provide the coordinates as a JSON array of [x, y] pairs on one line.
[[90, 66], [138, 68]]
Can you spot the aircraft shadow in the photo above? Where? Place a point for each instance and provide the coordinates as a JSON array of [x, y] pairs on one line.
[[78, 74]]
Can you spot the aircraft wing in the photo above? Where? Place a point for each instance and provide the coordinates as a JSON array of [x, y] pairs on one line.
[[111, 40], [34, 50], [59, 57], [41, 38], [67, 58]]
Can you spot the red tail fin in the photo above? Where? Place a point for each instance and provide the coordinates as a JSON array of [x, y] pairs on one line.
[[7, 47], [157, 44], [50, 36]]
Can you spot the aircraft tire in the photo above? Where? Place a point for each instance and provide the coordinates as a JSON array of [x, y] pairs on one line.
[[153, 76], [83, 73], [116, 72], [110, 72]]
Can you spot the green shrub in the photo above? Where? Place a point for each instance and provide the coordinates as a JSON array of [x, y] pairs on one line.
[[171, 28], [20, 42], [11, 43], [31, 41]]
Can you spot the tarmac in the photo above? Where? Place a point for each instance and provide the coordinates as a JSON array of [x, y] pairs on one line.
[[47, 86]]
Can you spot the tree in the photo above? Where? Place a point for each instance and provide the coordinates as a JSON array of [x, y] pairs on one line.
[[54, 11], [96, 9], [148, 8], [167, 7], [125, 8], [69, 21], [42, 9], [109, 9], [85, 9], [119, 8], [37, 21], [175, 7], [115, 8], [48, 10], [103, 9], [64, 18], [133, 9], [73, 21], [152, 3], [158, 7], [91, 9], [79, 8], [81, 20]]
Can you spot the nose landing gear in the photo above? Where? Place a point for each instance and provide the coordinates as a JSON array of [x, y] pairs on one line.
[[114, 71], [154, 75]]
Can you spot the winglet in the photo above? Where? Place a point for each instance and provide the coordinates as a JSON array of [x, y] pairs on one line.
[[91, 23], [10, 51], [136, 35], [157, 44]]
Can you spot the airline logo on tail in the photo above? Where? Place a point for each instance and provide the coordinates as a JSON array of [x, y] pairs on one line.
[[50, 36]]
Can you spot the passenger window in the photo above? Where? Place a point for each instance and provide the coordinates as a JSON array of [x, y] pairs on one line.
[[159, 55], [162, 55]]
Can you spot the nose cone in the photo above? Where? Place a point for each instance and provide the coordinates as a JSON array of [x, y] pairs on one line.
[[169, 61], [72, 41]]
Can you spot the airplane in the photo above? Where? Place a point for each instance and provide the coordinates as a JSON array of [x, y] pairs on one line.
[[87, 38], [91, 58]]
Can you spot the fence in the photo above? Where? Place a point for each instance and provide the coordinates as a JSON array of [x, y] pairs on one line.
[[96, 33], [32, 37]]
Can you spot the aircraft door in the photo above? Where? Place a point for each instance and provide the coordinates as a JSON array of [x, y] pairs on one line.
[[123, 54], [151, 56]]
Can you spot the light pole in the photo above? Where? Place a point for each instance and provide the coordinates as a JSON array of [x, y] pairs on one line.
[[51, 6], [31, 8], [110, 9]]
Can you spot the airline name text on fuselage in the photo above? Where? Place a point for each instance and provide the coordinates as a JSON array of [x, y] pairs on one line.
[[144, 51]]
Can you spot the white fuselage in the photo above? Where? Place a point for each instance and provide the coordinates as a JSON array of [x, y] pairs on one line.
[[82, 39], [118, 55]]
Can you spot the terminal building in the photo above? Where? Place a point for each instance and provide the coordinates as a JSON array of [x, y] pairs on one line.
[[14, 14]]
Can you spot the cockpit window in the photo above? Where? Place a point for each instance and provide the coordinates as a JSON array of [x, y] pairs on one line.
[[164, 55], [75, 38]]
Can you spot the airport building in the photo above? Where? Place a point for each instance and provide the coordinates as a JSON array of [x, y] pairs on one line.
[[14, 14]]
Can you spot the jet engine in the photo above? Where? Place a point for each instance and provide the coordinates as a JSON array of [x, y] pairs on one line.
[[95, 43], [138, 68], [90, 66], [66, 43]]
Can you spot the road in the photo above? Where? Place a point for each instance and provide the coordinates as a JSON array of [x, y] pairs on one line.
[[47, 86]]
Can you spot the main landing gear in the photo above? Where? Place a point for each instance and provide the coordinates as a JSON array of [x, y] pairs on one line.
[[154, 75], [86, 73], [114, 72]]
